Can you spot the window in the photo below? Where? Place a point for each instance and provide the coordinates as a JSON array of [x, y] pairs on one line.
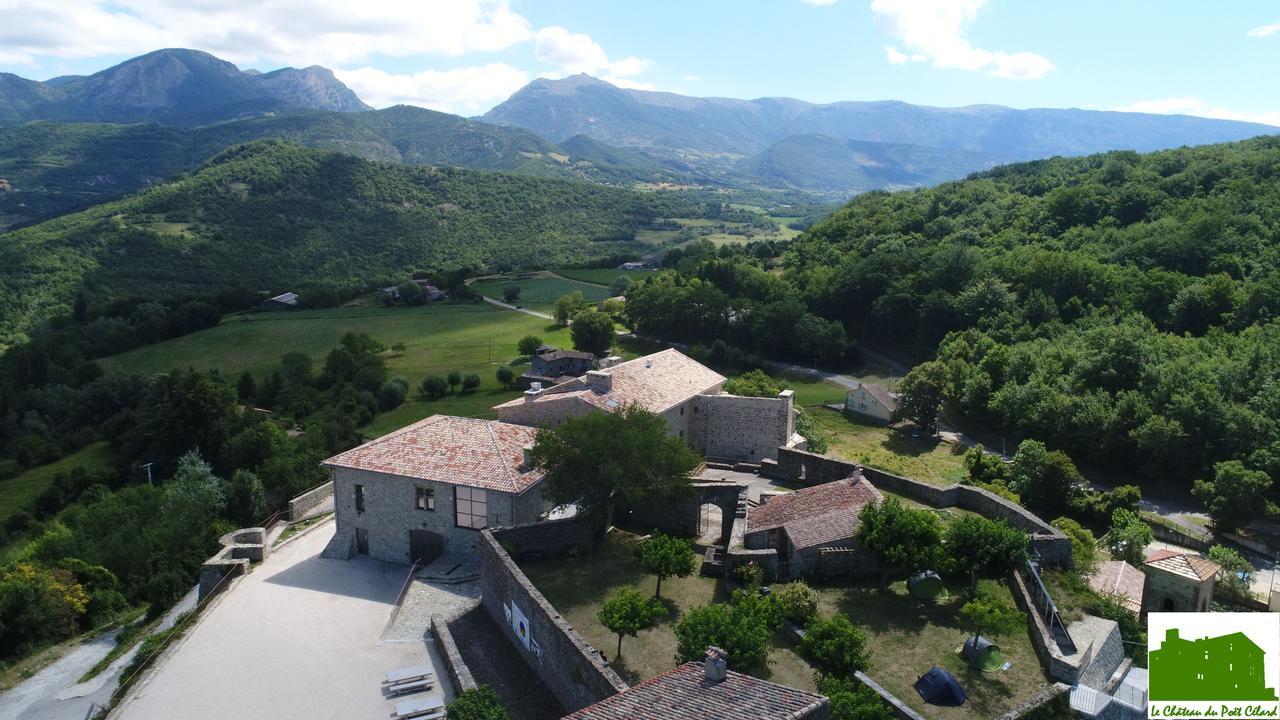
[[362, 540], [681, 411], [425, 498], [359, 498], [471, 507]]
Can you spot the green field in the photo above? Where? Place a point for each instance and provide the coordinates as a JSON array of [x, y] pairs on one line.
[[540, 290], [891, 450], [438, 338], [17, 491], [603, 276]]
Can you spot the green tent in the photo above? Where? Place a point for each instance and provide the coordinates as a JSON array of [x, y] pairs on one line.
[[983, 654], [925, 585]]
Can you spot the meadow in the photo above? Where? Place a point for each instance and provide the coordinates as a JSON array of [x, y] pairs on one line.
[[539, 290], [602, 276], [18, 491]]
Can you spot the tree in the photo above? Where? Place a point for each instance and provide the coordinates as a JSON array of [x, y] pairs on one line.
[[470, 382], [754, 383], [989, 615], [410, 293], [592, 332], [568, 305], [1128, 537], [627, 613], [835, 646], [1236, 576], [921, 394], [1235, 495], [505, 376], [744, 635], [480, 703], [1047, 482], [901, 538], [433, 386], [1082, 544], [529, 345], [620, 286], [246, 498], [852, 700], [978, 546], [796, 601], [666, 556], [80, 310], [392, 393], [626, 454], [511, 294], [454, 378], [246, 388]]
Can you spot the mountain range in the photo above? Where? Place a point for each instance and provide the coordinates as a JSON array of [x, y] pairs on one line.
[[776, 141]]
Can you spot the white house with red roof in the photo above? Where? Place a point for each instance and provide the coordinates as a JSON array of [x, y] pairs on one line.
[[431, 487]]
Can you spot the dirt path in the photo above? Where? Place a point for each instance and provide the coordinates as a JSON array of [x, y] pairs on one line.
[[509, 306]]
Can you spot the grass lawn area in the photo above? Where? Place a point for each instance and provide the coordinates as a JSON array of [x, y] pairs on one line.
[[17, 491], [603, 276], [578, 586], [908, 636], [438, 338], [876, 446], [539, 291]]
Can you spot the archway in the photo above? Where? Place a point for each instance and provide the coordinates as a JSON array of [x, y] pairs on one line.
[[710, 524], [1167, 605]]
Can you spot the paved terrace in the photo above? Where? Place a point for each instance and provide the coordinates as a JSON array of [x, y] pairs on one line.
[[299, 637]]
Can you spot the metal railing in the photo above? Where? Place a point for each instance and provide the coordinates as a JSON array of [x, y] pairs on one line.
[[1048, 610]]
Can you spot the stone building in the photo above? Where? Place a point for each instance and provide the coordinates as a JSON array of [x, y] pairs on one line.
[[551, 365], [798, 525], [687, 394], [872, 402], [701, 691], [1178, 582], [431, 487]]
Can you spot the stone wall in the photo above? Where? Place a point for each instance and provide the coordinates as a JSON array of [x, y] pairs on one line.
[[1051, 703], [730, 427], [575, 672], [1055, 664], [454, 665], [1186, 594], [806, 468], [681, 517], [1053, 547], [1104, 661], [301, 505], [553, 538], [390, 512], [900, 709], [239, 549]]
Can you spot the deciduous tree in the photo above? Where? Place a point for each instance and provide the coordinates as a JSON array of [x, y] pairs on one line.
[[627, 613], [592, 331], [666, 556], [903, 539]]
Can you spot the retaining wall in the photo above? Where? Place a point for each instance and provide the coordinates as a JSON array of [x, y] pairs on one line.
[[899, 708], [551, 538], [1048, 704], [575, 672], [806, 468], [239, 549], [1055, 664], [459, 673], [301, 505]]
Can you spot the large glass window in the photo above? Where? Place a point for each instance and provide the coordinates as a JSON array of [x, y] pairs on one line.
[[471, 507]]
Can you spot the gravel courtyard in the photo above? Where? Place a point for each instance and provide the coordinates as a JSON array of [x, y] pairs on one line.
[[299, 637]]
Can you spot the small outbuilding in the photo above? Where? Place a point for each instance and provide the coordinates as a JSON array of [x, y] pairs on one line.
[[939, 687], [283, 301]]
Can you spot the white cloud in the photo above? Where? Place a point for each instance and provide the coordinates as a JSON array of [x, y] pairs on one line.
[[691, 78], [330, 32], [574, 53], [464, 90], [933, 31], [1264, 30], [1198, 106], [818, 2]]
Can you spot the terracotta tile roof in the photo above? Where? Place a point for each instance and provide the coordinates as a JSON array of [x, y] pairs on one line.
[[685, 694], [1120, 580], [1187, 565], [462, 451], [816, 515], [655, 382]]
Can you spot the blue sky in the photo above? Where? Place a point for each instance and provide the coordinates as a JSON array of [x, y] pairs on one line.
[[464, 56]]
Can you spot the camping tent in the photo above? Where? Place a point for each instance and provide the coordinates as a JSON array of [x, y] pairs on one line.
[[939, 687], [982, 653], [925, 585]]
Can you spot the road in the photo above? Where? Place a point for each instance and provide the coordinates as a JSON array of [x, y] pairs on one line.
[[509, 306], [55, 692]]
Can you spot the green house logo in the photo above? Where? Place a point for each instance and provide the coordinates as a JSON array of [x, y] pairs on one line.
[[1213, 664]]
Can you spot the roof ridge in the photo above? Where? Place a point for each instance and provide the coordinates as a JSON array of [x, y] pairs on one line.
[[497, 448]]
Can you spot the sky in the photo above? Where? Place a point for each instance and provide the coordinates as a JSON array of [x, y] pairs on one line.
[[465, 56]]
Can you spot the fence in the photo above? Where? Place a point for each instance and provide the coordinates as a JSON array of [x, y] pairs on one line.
[[1048, 609]]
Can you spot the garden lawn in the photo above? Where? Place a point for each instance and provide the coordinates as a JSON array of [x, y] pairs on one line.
[[539, 291], [17, 491], [907, 637], [602, 276], [927, 459], [578, 586], [438, 338]]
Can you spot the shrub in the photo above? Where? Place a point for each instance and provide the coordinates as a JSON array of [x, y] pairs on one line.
[[505, 376], [481, 703], [454, 378], [433, 386], [835, 646], [528, 345], [393, 393], [749, 574], [745, 637], [470, 382], [796, 601]]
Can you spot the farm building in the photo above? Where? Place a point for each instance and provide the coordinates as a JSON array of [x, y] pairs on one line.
[[800, 524], [284, 301], [872, 402]]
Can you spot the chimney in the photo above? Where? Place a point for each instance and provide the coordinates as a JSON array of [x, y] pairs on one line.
[[715, 664], [535, 389], [528, 462], [608, 362], [602, 379]]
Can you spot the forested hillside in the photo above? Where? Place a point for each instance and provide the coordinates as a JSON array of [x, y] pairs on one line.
[[51, 168], [1121, 306], [272, 216]]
